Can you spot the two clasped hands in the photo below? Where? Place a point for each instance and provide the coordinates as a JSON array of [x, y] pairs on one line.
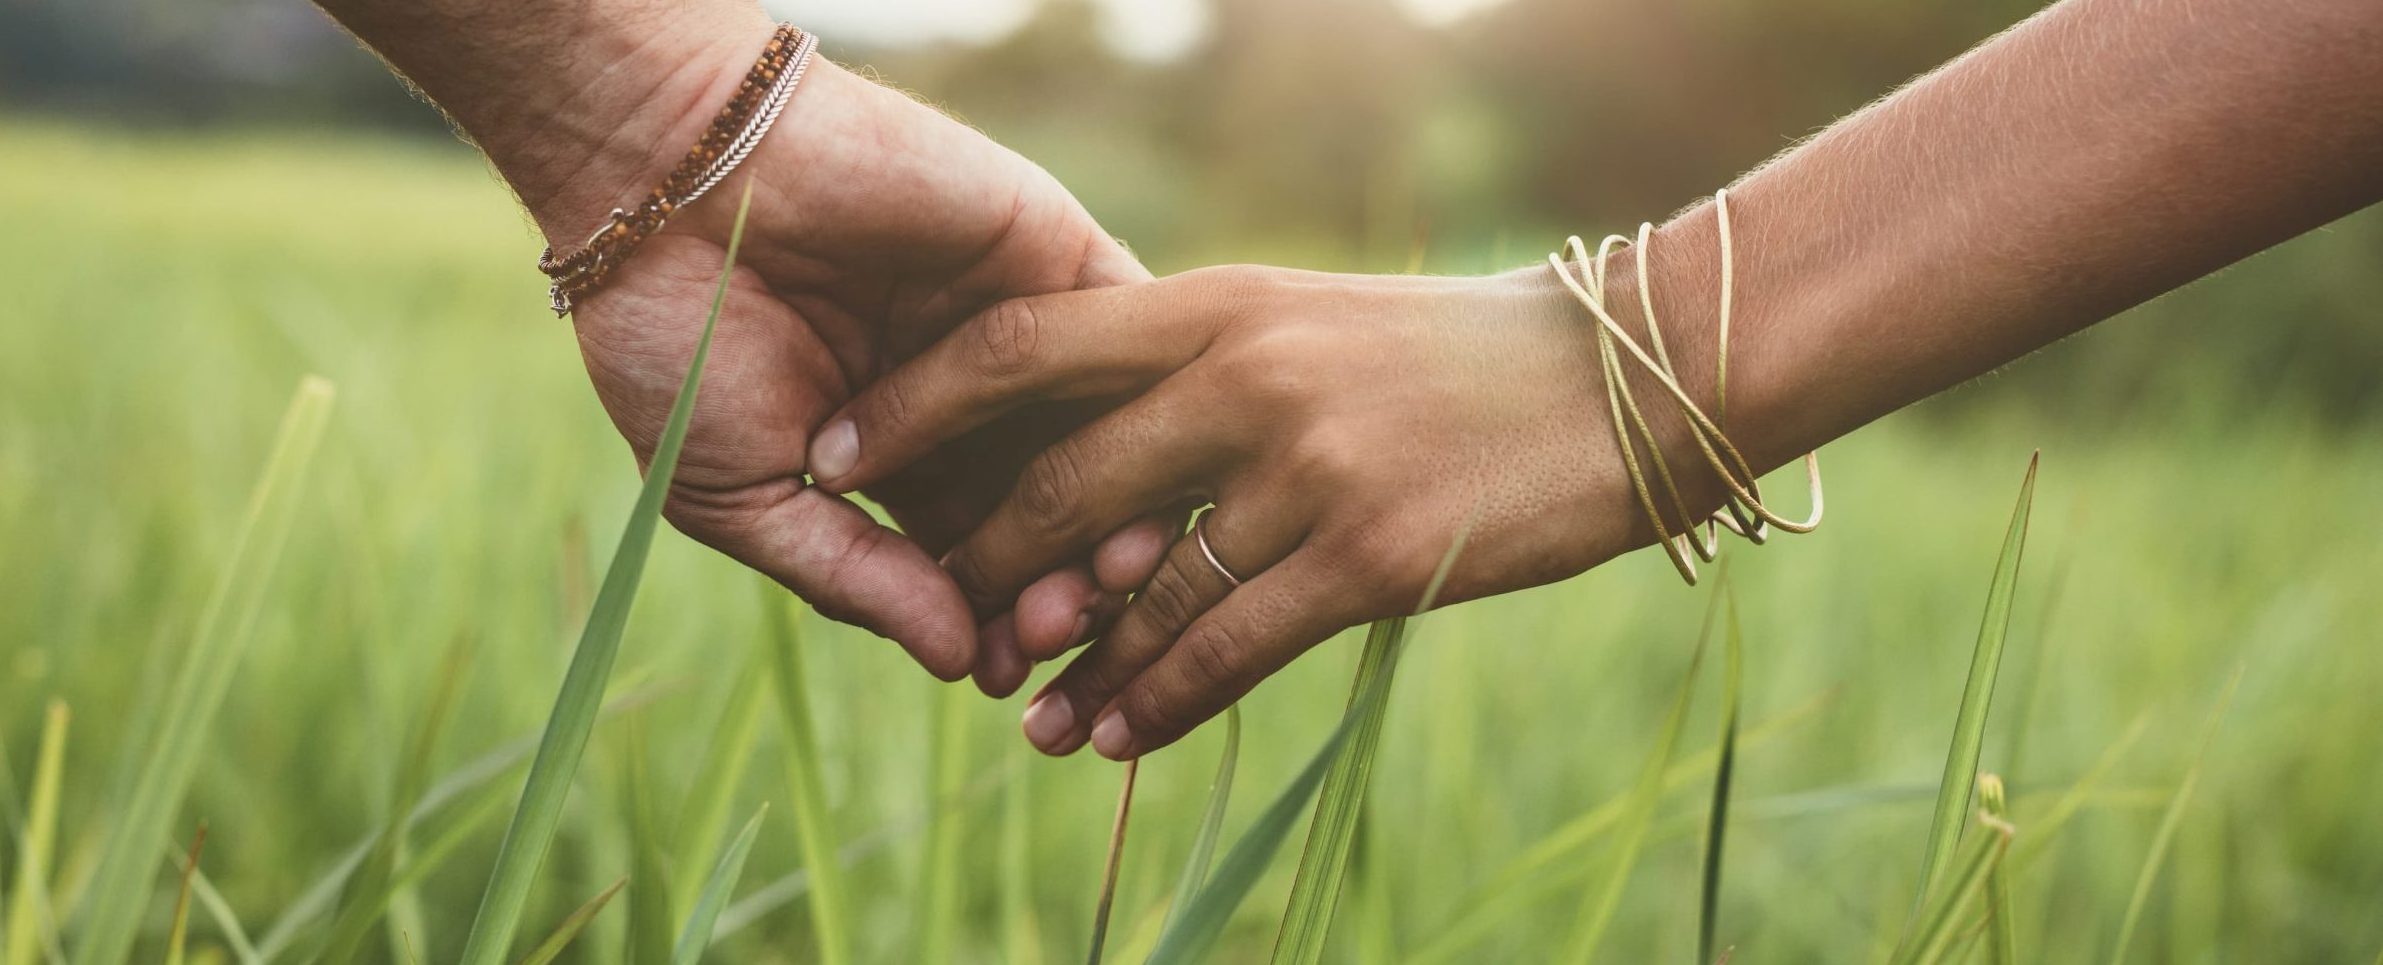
[[925, 318]]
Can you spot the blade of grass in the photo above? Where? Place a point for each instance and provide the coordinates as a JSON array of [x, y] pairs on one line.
[[806, 789], [1323, 864], [1717, 823], [570, 927], [28, 916], [227, 925], [474, 775], [142, 808], [2169, 820], [12, 819], [1969, 723], [703, 815], [582, 695], [697, 935], [768, 898], [1116, 859], [1638, 814], [1212, 820], [650, 930], [1324, 861], [177, 933], [2039, 655], [1939, 921], [367, 890], [1530, 874], [2041, 833], [948, 763], [2002, 934], [449, 842], [1021, 937], [1204, 918], [1378, 935]]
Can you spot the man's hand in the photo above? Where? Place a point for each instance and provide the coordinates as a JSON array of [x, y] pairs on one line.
[[877, 225]]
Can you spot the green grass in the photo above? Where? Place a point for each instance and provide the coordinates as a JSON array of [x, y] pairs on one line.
[[157, 319]]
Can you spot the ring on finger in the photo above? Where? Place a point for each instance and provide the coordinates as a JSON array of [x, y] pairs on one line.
[[1200, 534]]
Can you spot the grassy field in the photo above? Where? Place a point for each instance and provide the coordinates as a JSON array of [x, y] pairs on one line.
[[162, 298]]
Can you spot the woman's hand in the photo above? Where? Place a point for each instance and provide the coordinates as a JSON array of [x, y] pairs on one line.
[[1346, 428]]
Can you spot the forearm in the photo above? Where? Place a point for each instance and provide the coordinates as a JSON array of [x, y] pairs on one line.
[[580, 104], [2090, 159]]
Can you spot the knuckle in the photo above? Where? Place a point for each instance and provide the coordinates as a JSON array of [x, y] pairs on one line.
[[1096, 680], [1275, 364], [1377, 557], [1169, 600], [855, 555], [1051, 489], [1236, 290], [1153, 716], [968, 571], [1330, 457], [1008, 338], [895, 403], [1215, 658], [700, 512]]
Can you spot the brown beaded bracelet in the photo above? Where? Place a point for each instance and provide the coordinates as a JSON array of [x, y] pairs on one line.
[[733, 134]]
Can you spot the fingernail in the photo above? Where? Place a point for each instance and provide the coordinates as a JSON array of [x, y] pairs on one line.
[[1049, 720], [1083, 626], [835, 451], [1111, 737]]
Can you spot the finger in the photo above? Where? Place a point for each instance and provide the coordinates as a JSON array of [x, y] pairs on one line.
[[1000, 668], [1071, 345], [1063, 610], [945, 494], [1254, 632], [830, 553], [1151, 454], [1058, 611], [1186, 585], [1126, 559]]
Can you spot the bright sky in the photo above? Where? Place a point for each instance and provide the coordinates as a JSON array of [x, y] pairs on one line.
[[1150, 29]]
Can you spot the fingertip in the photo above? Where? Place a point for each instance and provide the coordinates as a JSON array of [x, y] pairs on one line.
[[1056, 613], [1112, 737], [834, 453], [1050, 724], [949, 661], [1000, 668]]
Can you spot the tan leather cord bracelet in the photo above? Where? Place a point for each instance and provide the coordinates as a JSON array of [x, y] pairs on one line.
[[733, 134]]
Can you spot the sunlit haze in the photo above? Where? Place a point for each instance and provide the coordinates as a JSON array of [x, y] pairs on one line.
[[1144, 29]]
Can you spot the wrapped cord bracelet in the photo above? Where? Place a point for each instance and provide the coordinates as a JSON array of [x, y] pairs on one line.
[[732, 136]]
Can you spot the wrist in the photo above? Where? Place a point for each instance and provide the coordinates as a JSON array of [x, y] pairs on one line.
[[617, 133], [580, 107], [1679, 282]]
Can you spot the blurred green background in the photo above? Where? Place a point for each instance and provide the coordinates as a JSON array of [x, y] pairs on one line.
[[210, 200]]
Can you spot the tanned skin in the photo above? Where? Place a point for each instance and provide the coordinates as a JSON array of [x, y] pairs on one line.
[[2088, 159]]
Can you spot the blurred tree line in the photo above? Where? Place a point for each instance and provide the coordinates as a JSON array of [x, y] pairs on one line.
[[1342, 134]]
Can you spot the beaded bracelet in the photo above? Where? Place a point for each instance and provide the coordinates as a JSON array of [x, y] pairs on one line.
[[1743, 512], [733, 134]]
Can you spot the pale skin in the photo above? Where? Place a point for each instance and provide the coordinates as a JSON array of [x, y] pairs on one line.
[[2100, 154], [2097, 155]]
